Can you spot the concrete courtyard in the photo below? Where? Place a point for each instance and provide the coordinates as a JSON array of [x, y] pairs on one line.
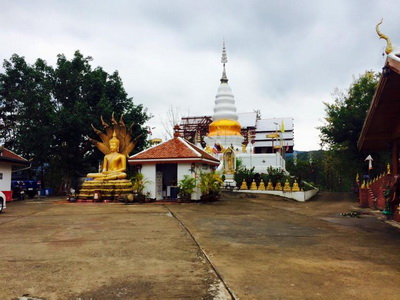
[[241, 247]]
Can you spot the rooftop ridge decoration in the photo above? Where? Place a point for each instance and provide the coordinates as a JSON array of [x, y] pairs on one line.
[[190, 146], [389, 47]]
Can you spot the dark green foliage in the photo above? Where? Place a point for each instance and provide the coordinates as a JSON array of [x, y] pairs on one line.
[[345, 117], [275, 175], [307, 167], [330, 172], [242, 173], [46, 113], [337, 169]]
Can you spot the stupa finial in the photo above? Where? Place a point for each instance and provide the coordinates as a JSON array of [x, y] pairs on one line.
[[224, 60], [389, 47]]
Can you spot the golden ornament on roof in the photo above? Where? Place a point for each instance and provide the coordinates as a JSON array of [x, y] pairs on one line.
[[389, 47]]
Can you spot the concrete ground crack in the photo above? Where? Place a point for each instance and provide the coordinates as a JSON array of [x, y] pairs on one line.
[[20, 217], [214, 268]]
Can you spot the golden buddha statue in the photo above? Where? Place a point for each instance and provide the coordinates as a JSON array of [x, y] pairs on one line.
[[244, 185], [111, 183], [229, 161], [261, 187], [116, 144], [114, 163]]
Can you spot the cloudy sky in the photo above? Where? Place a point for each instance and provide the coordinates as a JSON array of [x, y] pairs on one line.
[[285, 58]]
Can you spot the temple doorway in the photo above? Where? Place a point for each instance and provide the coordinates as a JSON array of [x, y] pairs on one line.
[[166, 181]]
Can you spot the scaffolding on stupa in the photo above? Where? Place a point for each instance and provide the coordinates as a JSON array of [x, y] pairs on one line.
[[194, 128]]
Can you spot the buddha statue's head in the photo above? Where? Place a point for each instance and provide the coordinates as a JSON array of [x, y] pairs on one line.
[[114, 143]]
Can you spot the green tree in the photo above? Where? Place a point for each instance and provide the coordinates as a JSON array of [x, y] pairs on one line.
[[46, 113], [343, 124], [345, 117], [26, 117], [324, 170]]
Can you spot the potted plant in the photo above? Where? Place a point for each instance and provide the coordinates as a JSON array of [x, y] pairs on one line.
[[210, 185], [186, 187], [139, 183]]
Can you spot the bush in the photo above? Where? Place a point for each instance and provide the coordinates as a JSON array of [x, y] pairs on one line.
[[139, 183], [243, 173], [186, 187], [210, 185]]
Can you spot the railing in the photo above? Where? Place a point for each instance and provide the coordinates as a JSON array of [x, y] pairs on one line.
[[371, 192]]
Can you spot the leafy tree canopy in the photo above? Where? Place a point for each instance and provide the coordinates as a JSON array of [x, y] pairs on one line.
[[345, 116], [46, 112], [343, 124]]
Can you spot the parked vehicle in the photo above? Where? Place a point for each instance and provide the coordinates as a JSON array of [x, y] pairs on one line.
[[2, 201], [32, 187], [18, 190], [21, 188]]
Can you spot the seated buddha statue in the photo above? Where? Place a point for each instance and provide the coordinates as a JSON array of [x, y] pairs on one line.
[[114, 163]]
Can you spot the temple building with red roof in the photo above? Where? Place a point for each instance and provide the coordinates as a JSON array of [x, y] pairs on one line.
[[381, 132], [165, 164]]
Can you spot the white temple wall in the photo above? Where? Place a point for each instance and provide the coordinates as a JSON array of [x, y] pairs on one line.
[[185, 169], [149, 174], [261, 162], [5, 181], [226, 141]]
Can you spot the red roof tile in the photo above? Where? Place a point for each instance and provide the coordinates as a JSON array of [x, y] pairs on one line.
[[176, 148], [8, 155]]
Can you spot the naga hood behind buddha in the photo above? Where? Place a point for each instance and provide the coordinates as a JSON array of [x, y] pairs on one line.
[[123, 134]]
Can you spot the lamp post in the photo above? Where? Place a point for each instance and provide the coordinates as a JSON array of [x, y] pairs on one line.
[[370, 160], [385, 71]]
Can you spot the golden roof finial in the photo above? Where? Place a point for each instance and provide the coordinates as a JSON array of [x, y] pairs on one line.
[[389, 47]]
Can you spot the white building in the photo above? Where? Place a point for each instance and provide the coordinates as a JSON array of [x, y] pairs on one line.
[[268, 135], [165, 164], [8, 160]]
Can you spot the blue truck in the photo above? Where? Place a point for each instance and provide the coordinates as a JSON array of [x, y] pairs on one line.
[[21, 187]]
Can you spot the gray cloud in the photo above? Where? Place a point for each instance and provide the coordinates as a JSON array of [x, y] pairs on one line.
[[284, 57]]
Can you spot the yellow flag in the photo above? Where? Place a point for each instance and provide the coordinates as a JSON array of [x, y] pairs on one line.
[[282, 127]]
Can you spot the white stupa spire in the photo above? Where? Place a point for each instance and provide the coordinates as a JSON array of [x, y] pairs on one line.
[[224, 60], [224, 108], [225, 129]]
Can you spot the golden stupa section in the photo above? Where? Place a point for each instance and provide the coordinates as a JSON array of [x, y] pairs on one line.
[[224, 128]]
